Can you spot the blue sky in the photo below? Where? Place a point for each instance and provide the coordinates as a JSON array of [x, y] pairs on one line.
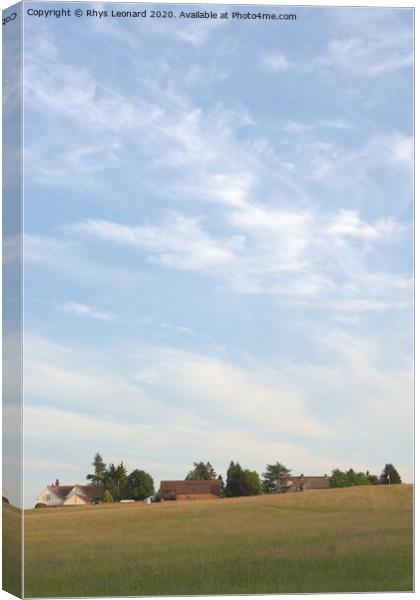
[[218, 243]]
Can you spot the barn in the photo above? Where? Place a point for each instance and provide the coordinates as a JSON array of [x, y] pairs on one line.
[[190, 490], [289, 483]]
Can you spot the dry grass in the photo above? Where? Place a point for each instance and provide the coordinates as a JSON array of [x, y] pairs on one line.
[[354, 539]]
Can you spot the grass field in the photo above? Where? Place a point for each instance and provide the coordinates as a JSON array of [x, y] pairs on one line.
[[353, 539], [12, 549]]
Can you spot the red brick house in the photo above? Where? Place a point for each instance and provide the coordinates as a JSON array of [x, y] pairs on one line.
[[190, 490], [289, 483]]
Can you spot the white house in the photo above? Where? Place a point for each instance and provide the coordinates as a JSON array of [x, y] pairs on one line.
[[69, 495]]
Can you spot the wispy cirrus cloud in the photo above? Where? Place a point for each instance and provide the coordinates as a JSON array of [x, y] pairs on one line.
[[353, 54], [84, 310], [367, 58], [286, 253], [67, 255], [179, 242], [304, 127], [259, 243]]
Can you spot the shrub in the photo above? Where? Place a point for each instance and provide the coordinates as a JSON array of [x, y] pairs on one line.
[[107, 496], [40, 505]]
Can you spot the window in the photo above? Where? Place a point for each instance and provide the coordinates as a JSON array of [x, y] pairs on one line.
[[47, 497]]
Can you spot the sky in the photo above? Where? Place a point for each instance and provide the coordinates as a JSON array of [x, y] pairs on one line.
[[218, 243]]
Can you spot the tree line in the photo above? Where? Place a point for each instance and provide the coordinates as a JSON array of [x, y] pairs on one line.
[[118, 484], [138, 485], [245, 482], [348, 478]]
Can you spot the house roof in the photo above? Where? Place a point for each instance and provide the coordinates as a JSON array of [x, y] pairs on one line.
[[319, 482], [192, 486], [89, 491], [92, 490], [60, 490]]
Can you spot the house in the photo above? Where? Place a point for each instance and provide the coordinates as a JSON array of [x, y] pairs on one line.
[[190, 490], [289, 483], [69, 495]]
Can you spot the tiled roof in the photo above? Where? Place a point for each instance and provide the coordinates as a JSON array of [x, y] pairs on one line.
[[92, 490], [314, 482], [87, 491], [213, 486], [61, 490]]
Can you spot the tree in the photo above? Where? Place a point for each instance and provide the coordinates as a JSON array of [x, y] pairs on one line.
[[222, 484], [110, 477], [236, 482], [349, 478], [140, 485], [338, 479], [272, 475], [202, 471], [390, 474], [254, 482], [115, 480], [121, 480], [107, 497], [100, 468], [357, 478]]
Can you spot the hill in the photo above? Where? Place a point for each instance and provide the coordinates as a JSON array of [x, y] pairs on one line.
[[352, 539]]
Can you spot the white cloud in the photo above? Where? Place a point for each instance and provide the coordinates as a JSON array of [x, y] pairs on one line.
[[369, 56], [198, 75], [349, 223], [254, 396], [75, 94], [275, 61], [84, 310], [196, 34], [68, 256], [179, 243], [304, 127], [402, 150], [183, 329], [45, 249]]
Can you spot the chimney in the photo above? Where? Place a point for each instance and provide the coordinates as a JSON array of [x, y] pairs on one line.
[[301, 476], [57, 483]]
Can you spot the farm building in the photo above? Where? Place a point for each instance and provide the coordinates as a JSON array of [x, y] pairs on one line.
[[288, 483], [190, 490], [69, 495]]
